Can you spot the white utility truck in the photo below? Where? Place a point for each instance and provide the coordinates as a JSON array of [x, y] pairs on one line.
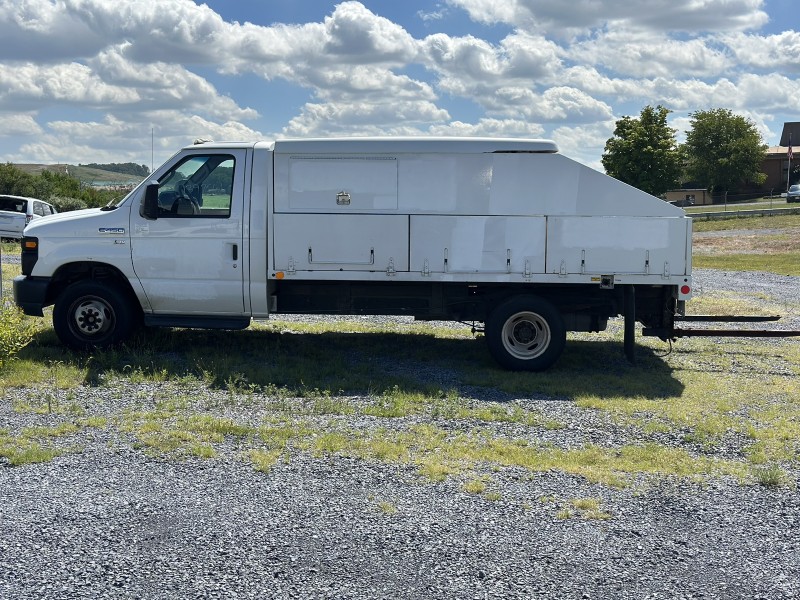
[[504, 232]]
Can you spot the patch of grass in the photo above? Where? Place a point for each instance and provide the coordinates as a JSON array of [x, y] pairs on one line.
[[279, 435], [397, 403], [25, 449], [386, 507], [16, 332], [771, 476], [436, 453], [435, 470], [330, 443], [51, 432], [94, 422], [759, 403], [42, 366], [474, 486], [765, 222], [215, 428], [263, 461], [724, 302], [20, 453], [47, 404], [326, 405], [768, 243], [166, 432], [784, 264], [589, 509]]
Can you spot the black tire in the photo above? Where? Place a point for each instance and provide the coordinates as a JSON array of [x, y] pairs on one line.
[[90, 315], [525, 333]]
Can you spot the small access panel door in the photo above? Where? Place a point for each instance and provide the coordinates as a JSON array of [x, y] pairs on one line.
[[316, 242], [478, 244]]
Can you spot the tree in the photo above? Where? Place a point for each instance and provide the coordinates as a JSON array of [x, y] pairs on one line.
[[643, 152], [15, 182], [724, 150], [53, 186]]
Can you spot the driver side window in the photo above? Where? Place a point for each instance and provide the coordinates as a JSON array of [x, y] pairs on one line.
[[199, 186]]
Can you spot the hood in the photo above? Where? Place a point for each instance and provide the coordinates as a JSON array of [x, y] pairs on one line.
[[80, 223]]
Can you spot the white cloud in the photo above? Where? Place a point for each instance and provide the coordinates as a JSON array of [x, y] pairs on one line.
[[353, 31], [473, 61], [44, 32], [432, 15], [582, 143], [580, 16], [391, 117], [182, 30], [29, 85], [117, 140], [110, 70], [164, 85], [19, 124], [774, 52], [641, 54], [561, 103], [489, 128]]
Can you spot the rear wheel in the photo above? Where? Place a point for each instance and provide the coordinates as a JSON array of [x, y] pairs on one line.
[[525, 333], [89, 314]]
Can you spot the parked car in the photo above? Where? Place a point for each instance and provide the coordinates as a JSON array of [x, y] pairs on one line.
[[794, 194], [17, 211]]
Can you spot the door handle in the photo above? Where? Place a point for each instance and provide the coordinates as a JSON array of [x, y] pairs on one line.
[[235, 251]]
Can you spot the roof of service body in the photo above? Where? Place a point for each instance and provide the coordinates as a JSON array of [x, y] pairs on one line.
[[449, 145]]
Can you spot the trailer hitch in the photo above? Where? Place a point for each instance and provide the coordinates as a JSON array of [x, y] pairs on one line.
[[673, 333], [766, 333], [676, 332]]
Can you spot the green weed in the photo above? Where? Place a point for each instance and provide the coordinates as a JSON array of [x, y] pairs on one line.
[[263, 461]]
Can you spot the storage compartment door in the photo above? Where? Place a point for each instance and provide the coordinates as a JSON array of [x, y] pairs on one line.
[[305, 184], [314, 242], [608, 245], [461, 244]]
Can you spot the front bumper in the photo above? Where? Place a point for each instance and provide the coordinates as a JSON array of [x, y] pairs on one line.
[[30, 294]]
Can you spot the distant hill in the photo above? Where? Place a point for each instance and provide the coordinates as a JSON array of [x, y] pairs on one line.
[[86, 174], [128, 168]]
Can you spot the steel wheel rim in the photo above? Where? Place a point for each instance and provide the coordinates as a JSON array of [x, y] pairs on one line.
[[92, 317], [526, 335]]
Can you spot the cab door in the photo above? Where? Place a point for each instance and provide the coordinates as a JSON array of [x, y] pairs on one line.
[[189, 260]]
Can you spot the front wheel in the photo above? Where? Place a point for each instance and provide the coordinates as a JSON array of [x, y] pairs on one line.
[[525, 333], [89, 315]]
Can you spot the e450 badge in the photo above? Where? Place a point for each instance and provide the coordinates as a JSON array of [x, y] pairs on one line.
[[112, 230]]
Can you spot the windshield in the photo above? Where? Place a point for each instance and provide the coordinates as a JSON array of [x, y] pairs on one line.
[[795, 188]]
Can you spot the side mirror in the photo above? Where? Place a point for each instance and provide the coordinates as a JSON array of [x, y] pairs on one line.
[[149, 205]]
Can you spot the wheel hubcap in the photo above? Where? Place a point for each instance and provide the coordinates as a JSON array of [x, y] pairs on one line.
[[526, 335], [92, 317]]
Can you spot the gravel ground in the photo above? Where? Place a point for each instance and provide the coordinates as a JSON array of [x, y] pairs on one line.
[[107, 521], [771, 289]]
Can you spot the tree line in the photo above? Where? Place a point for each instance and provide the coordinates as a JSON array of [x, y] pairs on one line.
[[722, 152], [61, 190], [124, 168]]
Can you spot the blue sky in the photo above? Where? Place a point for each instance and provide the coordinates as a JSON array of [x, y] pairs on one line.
[[90, 80]]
